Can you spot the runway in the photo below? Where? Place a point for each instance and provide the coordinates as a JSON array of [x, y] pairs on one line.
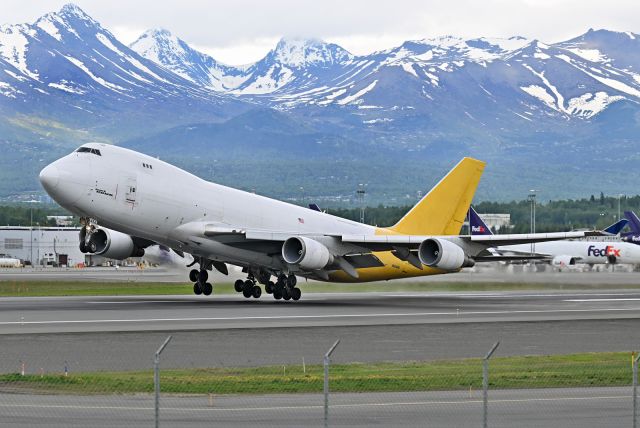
[[107, 333], [571, 407], [148, 313]]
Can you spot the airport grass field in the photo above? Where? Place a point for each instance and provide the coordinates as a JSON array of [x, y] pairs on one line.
[[35, 288], [577, 370]]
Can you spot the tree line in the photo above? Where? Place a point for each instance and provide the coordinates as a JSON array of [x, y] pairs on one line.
[[561, 215]]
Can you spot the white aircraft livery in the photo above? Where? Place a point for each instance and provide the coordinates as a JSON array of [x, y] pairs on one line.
[[568, 253], [128, 201]]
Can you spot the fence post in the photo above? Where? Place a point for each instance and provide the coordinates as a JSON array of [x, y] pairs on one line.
[[156, 379], [325, 363], [485, 382], [635, 390]]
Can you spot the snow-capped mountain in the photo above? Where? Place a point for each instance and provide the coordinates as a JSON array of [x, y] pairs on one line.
[[67, 67], [65, 79], [295, 64], [577, 78], [162, 47]]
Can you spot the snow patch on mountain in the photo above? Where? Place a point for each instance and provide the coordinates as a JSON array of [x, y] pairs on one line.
[[15, 76], [14, 45], [63, 85], [593, 55], [540, 93], [589, 105], [355, 98], [98, 79], [275, 78], [46, 24], [552, 88], [7, 90], [105, 41]]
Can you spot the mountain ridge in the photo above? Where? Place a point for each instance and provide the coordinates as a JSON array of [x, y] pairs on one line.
[[514, 102]]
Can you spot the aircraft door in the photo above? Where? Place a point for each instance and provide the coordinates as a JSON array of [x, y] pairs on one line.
[[130, 192]]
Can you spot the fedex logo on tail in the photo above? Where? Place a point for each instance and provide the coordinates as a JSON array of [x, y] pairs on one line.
[[478, 229], [609, 250]]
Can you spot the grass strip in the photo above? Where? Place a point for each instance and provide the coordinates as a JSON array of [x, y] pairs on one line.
[[576, 370], [39, 288], [80, 288]]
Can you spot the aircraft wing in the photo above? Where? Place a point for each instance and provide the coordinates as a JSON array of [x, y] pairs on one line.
[[257, 237], [357, 251], [382, 242]]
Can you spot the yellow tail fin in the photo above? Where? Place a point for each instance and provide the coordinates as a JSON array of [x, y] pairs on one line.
[[443, 210]]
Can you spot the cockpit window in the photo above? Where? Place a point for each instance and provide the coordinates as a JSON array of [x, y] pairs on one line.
[[89, 150]]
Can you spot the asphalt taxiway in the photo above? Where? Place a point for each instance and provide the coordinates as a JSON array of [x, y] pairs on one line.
[[571, 407]]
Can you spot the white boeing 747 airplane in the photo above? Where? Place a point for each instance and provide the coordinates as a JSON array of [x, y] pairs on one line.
[[128, 201]]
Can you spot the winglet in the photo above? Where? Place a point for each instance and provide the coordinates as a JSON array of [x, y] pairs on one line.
[[476, 225], [443, 210]]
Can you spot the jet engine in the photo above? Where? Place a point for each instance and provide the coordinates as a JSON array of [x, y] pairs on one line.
[[110, 244], [443, 254], [563, 261], [306, 253]]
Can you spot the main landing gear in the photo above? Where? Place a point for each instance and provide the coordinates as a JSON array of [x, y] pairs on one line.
[[199, 278], [248, 288], [284, 288]]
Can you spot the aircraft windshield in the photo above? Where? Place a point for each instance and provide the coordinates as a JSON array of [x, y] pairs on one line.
[[89, 150]]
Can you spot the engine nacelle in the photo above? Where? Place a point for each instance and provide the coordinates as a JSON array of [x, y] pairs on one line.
[[561, 261], [112, 244], [306, 253], [443, 254]]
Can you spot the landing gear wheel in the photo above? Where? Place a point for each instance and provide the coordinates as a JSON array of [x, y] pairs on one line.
[[83, 247], [257, 291], [292, 281], [207, 289], [239, 286], [203, 275], [247, 292], [197, 289], [193, 275], [277, 294], [296, 294], [286, 294], [269, 287]]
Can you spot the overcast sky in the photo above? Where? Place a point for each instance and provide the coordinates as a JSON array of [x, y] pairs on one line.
[[241, 31]]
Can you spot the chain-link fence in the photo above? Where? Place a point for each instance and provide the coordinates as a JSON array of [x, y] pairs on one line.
[[578, 390]]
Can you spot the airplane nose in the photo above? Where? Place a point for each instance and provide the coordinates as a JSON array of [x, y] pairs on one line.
[[49, 177]]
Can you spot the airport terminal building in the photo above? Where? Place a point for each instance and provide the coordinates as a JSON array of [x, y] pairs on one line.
[[43, 246]]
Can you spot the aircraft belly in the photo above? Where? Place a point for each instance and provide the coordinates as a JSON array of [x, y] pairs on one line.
[[215, 250], [393, 268]]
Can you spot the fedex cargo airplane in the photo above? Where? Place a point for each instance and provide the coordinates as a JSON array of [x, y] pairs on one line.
[[566, 253], [128, 201]]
